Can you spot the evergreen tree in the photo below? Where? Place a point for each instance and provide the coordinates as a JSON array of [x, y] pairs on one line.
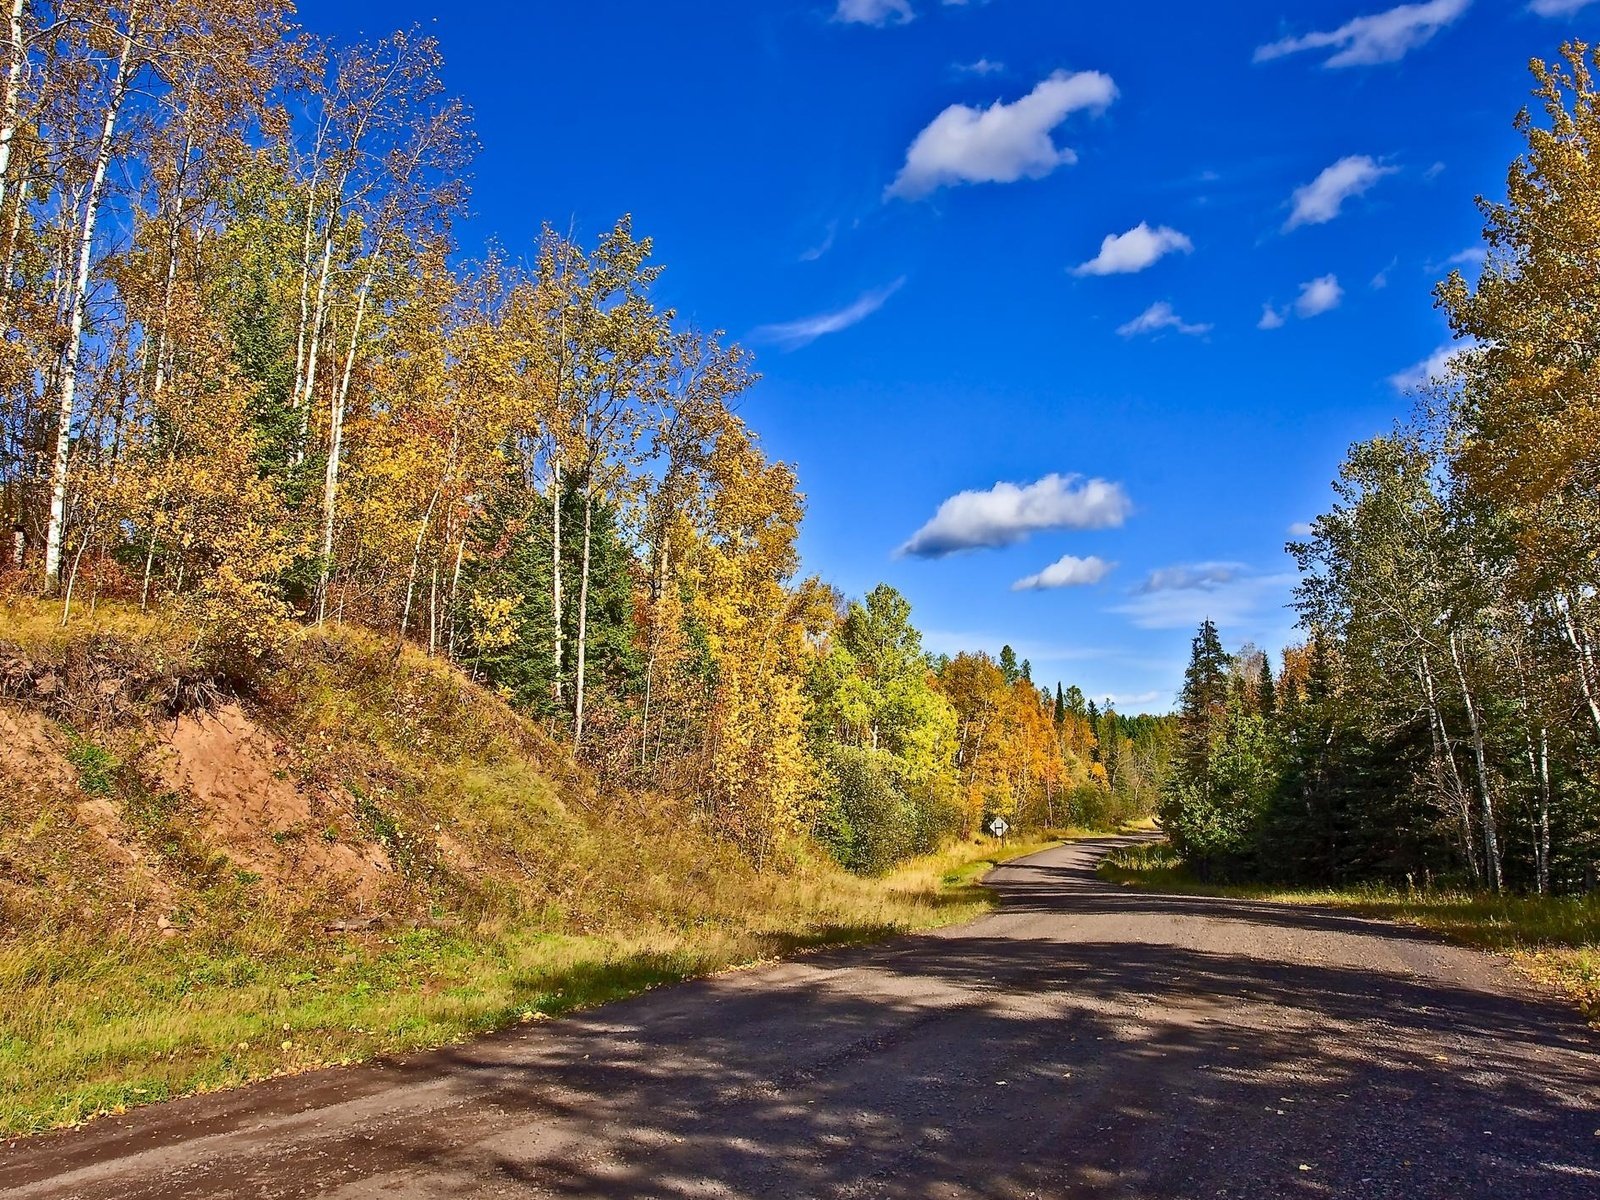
[[1267, 695], [1061, 706], [1008, 665], [1203, 702]]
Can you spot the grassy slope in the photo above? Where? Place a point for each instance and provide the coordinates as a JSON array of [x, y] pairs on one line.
[[1554, 940], [516, 890]]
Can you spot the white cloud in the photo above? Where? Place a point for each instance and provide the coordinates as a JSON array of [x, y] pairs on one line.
[[1006, 514], [1067, 571], [873, 12], [1472, 256], [1191, 576], [1319, 201], [1379, 38], [1131, 252], [1436, 368], [1271, 318], [1319, 296], [1133, 699], [1002, 143], [1558, 8], [1157, 317], [1181, 597], [1301, 529], [957, 641], [983, 66], [831, 235], [791, 335]]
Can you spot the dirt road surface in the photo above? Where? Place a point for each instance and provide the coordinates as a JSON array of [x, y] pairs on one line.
[[1083, 1041]]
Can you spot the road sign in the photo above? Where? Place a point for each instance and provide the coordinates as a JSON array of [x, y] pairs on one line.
[[999, 828]]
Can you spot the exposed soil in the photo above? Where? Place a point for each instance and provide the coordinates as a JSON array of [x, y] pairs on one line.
[[1084, 1041], [254, 812]]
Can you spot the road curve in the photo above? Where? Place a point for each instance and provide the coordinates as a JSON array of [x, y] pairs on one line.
[[1083, 1041]]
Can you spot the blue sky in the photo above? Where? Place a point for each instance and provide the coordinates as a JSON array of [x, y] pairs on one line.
[[904, 206]]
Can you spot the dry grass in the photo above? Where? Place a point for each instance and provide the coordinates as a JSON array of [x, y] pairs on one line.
[[1555, 940], [515, 889]]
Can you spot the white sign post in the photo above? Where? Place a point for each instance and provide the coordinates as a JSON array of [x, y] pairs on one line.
[[999, 828]]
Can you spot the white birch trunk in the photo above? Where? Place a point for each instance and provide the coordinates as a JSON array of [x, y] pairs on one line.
[[1491, 842], [1443, 751], [555, 574], [319, 317], [330, 478], [77, 303], [583, 617], [13, 95], [1580, 649]]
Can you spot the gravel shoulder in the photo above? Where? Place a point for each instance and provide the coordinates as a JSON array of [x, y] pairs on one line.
[[1084, 1040]]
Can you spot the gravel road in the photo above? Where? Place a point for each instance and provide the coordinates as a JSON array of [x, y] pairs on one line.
[[1083, 1041]]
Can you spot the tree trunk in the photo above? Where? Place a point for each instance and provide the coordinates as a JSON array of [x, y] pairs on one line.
[[1491, 842], [450, 604], [13, 95], [303, 326], [77, 303], [411, 575], [13, 235], [1580, 648], [319, 317], [555, 578], [1544, 811], [583, 617], [1443, 751], [330, 477], [169, 284]]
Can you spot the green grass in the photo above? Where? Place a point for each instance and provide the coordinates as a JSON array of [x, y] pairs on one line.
[[91, 1028], [1556, 940]]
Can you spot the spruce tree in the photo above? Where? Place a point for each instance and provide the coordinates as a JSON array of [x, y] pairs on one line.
[[1267, 696], [1203, 703], [1061, 706]]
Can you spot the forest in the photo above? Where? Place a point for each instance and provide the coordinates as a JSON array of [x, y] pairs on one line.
[[252, 381], [1441, 723]]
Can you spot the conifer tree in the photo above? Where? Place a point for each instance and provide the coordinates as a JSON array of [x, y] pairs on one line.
[[1267, 695]]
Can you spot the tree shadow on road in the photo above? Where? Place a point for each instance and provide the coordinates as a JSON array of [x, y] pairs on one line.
[[996, 1060]]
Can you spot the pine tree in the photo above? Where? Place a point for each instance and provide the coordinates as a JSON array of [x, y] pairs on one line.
[[1267, 696], [1203, 703], [1061, 706], [1008, 665]]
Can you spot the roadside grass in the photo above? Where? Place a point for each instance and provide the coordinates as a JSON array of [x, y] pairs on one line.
[[1554, 940], [91, 1027], [518, 887]]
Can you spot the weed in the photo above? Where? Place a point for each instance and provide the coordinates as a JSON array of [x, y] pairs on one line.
[[97, 767]]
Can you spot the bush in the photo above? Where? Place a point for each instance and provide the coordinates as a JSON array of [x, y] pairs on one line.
[[869, 820]]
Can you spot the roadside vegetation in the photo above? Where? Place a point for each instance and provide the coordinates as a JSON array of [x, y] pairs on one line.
[[350, 850], [1553, 939], [94, 1025]]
